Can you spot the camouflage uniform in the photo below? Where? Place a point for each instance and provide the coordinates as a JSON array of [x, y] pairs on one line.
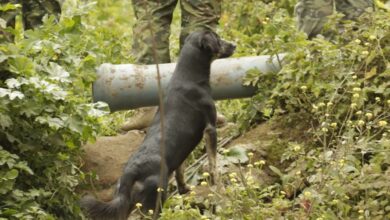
[[312, 14], [32, 10], [154, 18]]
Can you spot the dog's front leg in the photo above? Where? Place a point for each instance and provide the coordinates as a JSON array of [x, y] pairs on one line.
[[181, 183], [211, 147]]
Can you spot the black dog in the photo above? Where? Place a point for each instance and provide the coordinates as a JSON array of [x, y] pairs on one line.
[[189, 111]]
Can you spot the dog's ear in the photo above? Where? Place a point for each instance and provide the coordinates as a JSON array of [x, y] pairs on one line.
[[209, 41]]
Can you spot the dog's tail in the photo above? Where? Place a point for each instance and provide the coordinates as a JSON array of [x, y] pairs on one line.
[[118, 208]]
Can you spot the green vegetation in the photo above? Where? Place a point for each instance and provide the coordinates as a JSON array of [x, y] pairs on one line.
[[336, 87]]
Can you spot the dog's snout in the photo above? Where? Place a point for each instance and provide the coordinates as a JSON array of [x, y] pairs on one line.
[[227, 49]]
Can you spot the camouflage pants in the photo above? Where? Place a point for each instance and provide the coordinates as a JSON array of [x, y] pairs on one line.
[[312, 14], [32, 10], [154, 18]]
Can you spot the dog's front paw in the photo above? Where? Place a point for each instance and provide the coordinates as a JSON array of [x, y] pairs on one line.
[[183, 189]]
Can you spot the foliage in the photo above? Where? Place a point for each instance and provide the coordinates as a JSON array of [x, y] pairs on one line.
[[336, 84], [46, 74]]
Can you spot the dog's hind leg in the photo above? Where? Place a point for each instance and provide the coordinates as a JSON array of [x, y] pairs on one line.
[[211, 148], [181, 183]]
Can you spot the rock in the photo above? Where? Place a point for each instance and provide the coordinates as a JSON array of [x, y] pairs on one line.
[[108, 155]]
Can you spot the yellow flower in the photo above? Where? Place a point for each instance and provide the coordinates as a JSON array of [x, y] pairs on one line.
[[249, 165], [378, 99], [356, 89], [203, 183], [359, 112], [205, 174], [358, 41], [138, 205], [360, 122], [297, 147], [321, 104], [354, 77], [304, 88], [262, 162], [298, 173], [250, 154], [382, 123], [150, 211], [159, 189], [324, 129], [372, 37], [333, 125], [232, 175], [361, 211], [356, 95], [365, 52], [329, 104], [307, 194], [369, 115], [353, 105]]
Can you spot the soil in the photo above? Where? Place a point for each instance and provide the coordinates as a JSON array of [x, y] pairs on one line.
[[108, 155]]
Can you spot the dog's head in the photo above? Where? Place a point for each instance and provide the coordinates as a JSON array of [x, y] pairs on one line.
[[211, 43]]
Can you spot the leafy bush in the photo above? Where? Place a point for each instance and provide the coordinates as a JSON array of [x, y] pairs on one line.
[[46, 77], [338, 85]]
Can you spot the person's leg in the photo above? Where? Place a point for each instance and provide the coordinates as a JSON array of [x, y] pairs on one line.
[[311, 15], [198, 15], [152, 27], [151, 30], [354, 8], [33, 11]]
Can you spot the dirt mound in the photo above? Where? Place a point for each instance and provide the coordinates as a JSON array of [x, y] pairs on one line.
[[107, 157]]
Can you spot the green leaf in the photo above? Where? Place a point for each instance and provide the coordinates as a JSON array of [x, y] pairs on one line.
[[276, 170], [12, 174], [57, 72], [9, 6], [5, 121], [237, 155], [21, 65], [54, 123], [4, 92], [23, 166]]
